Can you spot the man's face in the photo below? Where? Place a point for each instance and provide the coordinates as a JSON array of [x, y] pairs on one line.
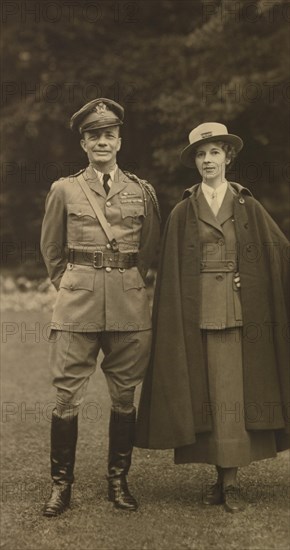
[[210, 160], [102, 146]]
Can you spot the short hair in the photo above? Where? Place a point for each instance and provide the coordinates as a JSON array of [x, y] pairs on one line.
[[229, 150]]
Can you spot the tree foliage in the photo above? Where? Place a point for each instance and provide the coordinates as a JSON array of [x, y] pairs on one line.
[[172, 64]]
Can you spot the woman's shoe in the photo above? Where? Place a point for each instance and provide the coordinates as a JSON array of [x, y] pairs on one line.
[[213, 494], [233, 502]]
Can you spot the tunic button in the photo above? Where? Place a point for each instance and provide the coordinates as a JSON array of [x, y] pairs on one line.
[[108, 246], [241, 200], [231, 265], [219, 277], [70, 266], [221, 242], [108, 269], [108, 203]]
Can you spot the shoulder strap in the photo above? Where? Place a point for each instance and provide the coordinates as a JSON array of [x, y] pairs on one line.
[[99, 214]]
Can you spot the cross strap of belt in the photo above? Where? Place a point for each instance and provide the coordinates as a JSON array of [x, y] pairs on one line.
[[98, 212], [222, 266], [99, 259]]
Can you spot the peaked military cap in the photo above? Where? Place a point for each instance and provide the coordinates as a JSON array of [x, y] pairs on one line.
[[98, 113]]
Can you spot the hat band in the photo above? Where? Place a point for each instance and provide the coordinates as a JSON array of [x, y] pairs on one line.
[[95, 124]]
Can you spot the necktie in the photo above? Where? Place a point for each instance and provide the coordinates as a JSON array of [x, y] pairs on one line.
[[214, 203], [106, 186]]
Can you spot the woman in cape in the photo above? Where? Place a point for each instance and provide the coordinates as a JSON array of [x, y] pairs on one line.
[[217, 387]]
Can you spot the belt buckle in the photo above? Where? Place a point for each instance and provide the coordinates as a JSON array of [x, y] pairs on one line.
[[98, 259]]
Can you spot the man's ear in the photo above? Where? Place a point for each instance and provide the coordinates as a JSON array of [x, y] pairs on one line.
[[119, 144], [83, 145]]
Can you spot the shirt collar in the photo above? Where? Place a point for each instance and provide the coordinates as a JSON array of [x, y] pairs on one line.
[[111, 174], [220, 191]]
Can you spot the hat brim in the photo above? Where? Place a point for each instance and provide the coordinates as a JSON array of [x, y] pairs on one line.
[[187, 157]]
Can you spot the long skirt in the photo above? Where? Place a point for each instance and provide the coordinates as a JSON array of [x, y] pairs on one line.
[[229, 444]]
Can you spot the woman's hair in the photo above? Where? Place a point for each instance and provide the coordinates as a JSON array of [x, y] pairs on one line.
[[229, 150]]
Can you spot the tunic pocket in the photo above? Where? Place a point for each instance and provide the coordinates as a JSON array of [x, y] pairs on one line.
[[78, 278], [131, 221], [132, 279], [81, 223]]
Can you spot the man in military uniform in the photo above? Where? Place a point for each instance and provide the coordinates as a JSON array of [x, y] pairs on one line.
[[99, 236]]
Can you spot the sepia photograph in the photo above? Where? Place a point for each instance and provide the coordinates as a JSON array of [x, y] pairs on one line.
[[145, 281]]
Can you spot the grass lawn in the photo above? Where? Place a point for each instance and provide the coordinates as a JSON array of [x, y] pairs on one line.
[[170, 516]]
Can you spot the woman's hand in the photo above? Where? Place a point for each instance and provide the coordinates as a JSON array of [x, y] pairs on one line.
[[237, 280]]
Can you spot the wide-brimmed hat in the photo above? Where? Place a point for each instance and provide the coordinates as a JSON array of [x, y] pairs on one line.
[[98, 113], [204, 133]]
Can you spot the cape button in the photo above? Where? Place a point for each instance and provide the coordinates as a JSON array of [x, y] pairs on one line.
[[108, 203], [241, 200]]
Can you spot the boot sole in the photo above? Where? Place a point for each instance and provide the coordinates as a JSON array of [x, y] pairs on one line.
[[48, 514], [120, 507]]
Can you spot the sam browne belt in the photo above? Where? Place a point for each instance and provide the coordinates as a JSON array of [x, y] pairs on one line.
[[99, 259]]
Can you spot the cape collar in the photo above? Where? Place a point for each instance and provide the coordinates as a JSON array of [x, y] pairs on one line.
[[236, 188], [239, 210]]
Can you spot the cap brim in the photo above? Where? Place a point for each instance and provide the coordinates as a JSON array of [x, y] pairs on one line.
[[97, 125], [187, 155]]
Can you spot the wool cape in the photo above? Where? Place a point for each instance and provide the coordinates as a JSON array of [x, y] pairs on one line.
[[175, 394]]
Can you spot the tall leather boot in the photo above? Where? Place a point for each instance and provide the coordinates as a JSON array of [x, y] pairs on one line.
[[63, 446], [121, 438]]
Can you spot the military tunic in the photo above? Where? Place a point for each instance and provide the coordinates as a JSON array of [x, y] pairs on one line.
[[89, 299], [99, 307]]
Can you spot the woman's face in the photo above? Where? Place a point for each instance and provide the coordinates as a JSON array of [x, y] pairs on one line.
[[211, 161]]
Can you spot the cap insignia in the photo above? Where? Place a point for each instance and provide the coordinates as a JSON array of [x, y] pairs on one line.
[[101, 108]]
